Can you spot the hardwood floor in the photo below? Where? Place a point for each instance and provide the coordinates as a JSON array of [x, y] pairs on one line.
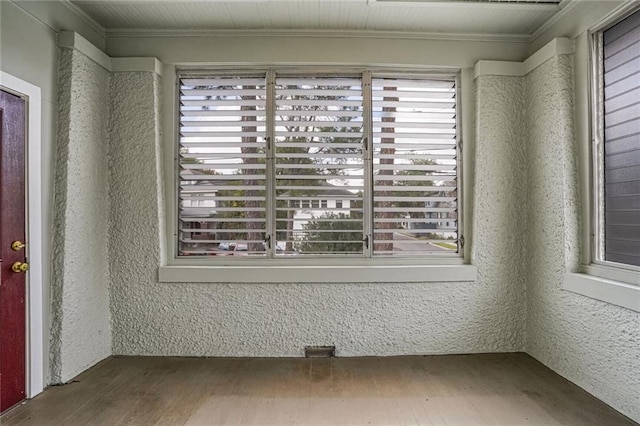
[[486, 389]]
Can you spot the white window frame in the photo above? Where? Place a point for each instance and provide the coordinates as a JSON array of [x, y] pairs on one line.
[[607, 281], [308, 270]]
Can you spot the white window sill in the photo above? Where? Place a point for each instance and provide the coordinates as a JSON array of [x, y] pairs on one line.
[[616, 286], [317, 273]]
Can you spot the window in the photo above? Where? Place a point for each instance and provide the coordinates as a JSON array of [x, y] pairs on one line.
[[309, 165], [618, 143]]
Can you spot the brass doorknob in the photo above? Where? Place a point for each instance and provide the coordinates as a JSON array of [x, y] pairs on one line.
[[20, 267], [17, 245]]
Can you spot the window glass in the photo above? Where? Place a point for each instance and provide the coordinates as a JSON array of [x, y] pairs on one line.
[[621, 114], [317, 165]]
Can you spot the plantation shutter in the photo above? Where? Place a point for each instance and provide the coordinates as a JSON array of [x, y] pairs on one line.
[[622, 141], [319, 167], [222, 171], [415, 207]]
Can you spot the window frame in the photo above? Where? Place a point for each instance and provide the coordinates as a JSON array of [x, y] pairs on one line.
[[456, 258], [311, 271], [610, 282], [598, 265]]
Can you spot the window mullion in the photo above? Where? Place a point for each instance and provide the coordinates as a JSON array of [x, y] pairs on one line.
[[367, 122], [270, 165], [459, 168], [598, 148]]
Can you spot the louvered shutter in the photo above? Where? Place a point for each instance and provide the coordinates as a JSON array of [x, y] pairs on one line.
[[319, 167], [621, 45], [222, 167], [414, 166]]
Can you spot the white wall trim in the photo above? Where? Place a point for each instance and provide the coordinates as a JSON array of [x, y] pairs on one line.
[[35, 306], [323, 274], [500, 68], [610, 291], [136, 64], [73, 40], [405, 35], [557, 46]]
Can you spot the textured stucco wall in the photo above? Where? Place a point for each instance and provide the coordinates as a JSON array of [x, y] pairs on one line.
[[80, 329], [155, 318], [594, 344], [500, 197]]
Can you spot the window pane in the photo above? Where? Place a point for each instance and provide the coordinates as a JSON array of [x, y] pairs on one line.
[[222, 183], [319, 166], [415, 206], [621, 105]]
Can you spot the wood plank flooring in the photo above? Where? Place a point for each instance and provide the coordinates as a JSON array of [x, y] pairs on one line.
[[485, 389]]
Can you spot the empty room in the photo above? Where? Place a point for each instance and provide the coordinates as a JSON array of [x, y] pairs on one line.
[[320, 212]]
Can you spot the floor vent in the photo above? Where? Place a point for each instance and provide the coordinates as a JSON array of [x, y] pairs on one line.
[[320, 351]]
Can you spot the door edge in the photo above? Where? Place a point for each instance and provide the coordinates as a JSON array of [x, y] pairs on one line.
[[35, 367]]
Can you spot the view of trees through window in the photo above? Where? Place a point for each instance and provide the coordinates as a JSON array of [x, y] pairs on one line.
[[281, 165]]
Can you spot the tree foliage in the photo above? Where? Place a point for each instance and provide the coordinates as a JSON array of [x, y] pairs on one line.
[[344, 235]]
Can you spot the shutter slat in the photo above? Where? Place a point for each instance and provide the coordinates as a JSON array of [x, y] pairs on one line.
[[421, 144], [295, 166], [318, 123], [379, 83], [223, 81], [415, 94], [622, 115], [316, 188], [226, 134], [191, 125], [316, 134], [623, 130], [621, 72], [201, 114], [203, 93], [324, 92], [227, 103], [315, 103], [306, 145], [283, 82]]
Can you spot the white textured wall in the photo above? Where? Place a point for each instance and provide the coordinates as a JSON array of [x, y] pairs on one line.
[[500, 197], [80, 331], [594, 344], [153, 318]]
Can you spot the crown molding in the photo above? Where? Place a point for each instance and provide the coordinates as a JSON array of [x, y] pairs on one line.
[[81, 14], [466, 4], [566, 6], [404, 35]]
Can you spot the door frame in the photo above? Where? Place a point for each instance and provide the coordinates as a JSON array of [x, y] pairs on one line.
[[33, 226]]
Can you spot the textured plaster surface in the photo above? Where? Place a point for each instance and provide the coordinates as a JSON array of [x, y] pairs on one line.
[[152, 318], [80, 335], [500, 199], [594, 344]]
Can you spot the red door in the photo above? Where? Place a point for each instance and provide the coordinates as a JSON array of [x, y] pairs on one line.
[[12, 254]]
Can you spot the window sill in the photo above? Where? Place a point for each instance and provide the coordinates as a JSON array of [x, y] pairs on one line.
[[317, 273], [611, 285]]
